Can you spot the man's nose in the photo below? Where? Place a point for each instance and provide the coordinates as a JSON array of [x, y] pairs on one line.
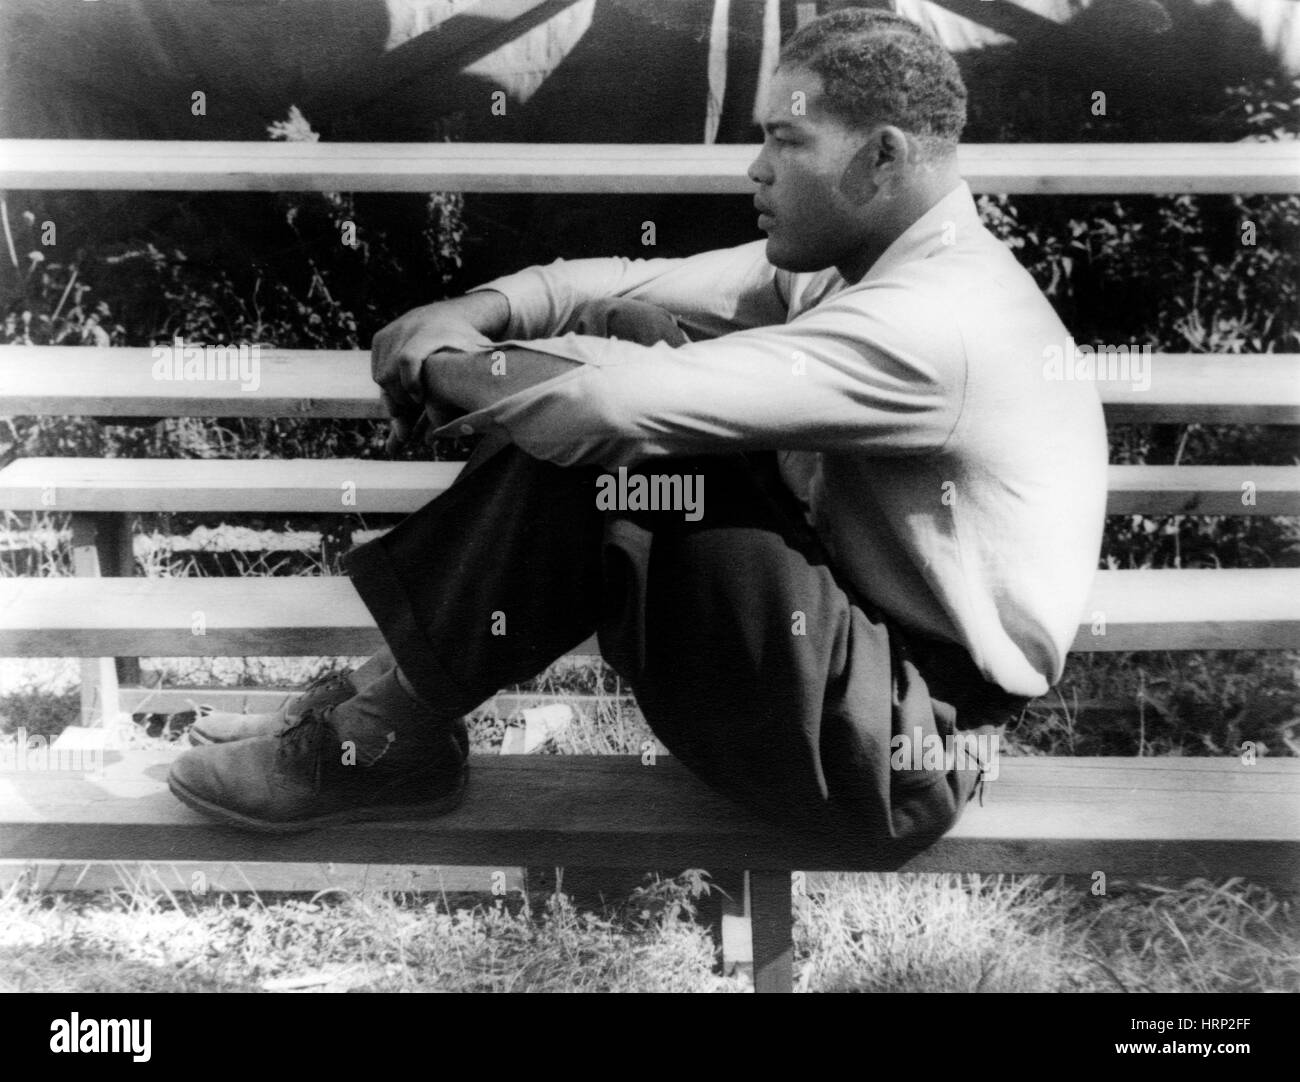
[[759, 171]]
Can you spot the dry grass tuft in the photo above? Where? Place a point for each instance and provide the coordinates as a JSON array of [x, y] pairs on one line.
[[342, 942], [950, 933], [930, 933]]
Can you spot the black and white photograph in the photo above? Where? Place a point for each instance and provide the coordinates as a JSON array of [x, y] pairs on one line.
[[650, 496]]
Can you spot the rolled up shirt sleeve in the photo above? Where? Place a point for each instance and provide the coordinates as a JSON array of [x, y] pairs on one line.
[[712, 294], [870, 370]]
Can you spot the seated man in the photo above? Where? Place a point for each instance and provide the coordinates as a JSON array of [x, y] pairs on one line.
[[884, 516]]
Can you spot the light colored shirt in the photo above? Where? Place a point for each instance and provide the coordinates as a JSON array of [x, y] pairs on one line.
[[956, 486]]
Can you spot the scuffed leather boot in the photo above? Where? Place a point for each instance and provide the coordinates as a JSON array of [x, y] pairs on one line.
[[307, 776]]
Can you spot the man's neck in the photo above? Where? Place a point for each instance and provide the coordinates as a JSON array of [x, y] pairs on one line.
[[900, 214]]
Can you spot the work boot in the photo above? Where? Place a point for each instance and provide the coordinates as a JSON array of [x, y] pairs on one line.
[[221, 726], [307, 776]]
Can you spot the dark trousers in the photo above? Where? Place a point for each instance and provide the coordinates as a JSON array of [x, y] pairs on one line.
[[749, 659]]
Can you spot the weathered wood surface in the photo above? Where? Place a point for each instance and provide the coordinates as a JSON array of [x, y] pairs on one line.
[[1029, 168], [233, 876], [1123, 816], [357, 486], [1261, 388], [291, 616]]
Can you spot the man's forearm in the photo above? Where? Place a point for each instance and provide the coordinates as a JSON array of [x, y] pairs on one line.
[[712, 293], [473, 381], [486, 310]]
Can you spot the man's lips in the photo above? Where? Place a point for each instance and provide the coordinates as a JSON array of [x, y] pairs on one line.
[[765, 219]]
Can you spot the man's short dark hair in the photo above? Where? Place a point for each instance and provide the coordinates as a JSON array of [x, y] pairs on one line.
[[880, 68]]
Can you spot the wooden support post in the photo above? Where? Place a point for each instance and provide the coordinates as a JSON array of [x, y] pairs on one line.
[[726, 911], [98, 675], [117, 558], [773, 925]]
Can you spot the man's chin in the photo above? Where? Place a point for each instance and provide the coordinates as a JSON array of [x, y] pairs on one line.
[[797, 262]]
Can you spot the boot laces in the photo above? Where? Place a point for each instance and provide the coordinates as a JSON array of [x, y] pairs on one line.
[[325, 680], [291, 711], [302, 746]]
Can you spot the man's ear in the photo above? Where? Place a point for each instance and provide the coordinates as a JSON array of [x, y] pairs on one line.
[[876, 164]]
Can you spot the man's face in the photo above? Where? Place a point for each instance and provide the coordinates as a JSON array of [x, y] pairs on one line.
[[810, 222]]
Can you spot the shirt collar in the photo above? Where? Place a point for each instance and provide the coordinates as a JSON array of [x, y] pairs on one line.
[[937, 228]]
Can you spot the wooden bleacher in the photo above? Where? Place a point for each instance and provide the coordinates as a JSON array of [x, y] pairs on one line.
[[1127, 816]]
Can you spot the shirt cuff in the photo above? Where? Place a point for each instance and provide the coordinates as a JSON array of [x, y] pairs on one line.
[[556, 419], [509, 414], [525, 291]]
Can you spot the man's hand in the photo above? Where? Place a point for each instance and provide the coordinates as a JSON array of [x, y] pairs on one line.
[[400, 351]]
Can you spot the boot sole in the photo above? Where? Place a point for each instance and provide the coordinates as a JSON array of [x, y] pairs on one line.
[[392, 812]]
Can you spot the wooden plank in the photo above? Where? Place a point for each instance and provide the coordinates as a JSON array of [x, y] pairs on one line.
[[174, 700], [1257, 388], [111, 382], [1024, 168], [772, 921], [197, 617], [357, 486], [726, 909], [1192, 610], [171, 700], [1260, 388], [116, 542], [1153, 817], [1196, 490], [221, 617], [347, 486], [184, 617], [98, 674], [232, 876]]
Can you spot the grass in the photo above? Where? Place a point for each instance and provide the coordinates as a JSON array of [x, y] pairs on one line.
[[362, 942], [948, 933], [858, 933]]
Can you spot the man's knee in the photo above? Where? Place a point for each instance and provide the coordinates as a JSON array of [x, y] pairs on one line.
[[629, 320]]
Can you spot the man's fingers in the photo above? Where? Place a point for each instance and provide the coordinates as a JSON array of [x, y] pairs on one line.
[[394, 410], [410, 370], [379, 352], [403, 424], [399, 434], [401, 380]]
